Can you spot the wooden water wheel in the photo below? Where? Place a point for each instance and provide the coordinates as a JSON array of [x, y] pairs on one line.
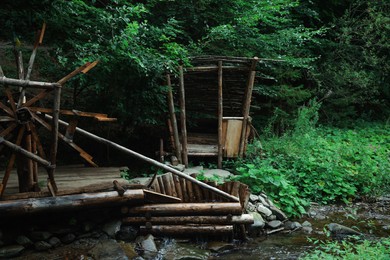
[[21, 116]]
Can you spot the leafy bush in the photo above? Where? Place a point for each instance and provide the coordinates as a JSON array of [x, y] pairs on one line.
[[322, 164], [347, 250]]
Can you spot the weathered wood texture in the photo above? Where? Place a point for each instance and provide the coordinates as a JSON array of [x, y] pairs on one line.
[[182, 220], [187, 230], [178, 209], [35, 205]]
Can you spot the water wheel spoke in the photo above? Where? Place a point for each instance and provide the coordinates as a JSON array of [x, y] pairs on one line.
[[6, 119], [11, 99], [8, 130], [36, 139], [6, 109], [37, 97], [11, 161], [83, 154]]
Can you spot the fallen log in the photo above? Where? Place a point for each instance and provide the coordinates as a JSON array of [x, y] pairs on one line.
[[218, 220], [187, 230], [177, 209], [68, 202]]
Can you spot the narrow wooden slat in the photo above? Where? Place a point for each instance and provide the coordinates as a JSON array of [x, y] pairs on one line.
[[6, 119], [220, 115], [11, 161], [90, 66], [68, 112], [172, 115], [161, 185], [6, 109], [73, 73], [179, 192], [37, 97], [11, 99], [156, 197], [183, 118], [167, 184], [8, 130], [172, 183], [183, 186]]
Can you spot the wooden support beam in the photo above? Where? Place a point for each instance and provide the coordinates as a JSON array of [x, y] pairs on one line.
[[27, 83], [200, 220], [188, 231], [220, 115], [183, 118], [172, 115], [69, 202], [24, 152], [150, 161], [178, 209], [246, 105]]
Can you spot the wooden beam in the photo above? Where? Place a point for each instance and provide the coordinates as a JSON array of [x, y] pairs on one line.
[[246, 105], [200, 220], [189, 231], [183, 118], [177, 209], [172, 116], [150, 161], [27, 83], [68, 112], [69, 202], [73, 73], [220, 115]]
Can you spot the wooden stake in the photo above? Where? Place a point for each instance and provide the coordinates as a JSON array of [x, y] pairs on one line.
[[220, 115], [172, 115], [183, 118], [246, 105]]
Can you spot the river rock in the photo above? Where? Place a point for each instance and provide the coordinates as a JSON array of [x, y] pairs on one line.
[[253, 198], [271, 217], [68, 238], [278, 213], [307, 227], [337, 229], [263, 201], [192, 170], [219, 246], [54, 241], [251, 207], [264, 210], [148, 246], [108, 250], [42, 246], [258, 221], [111, 228], [274, 224], [292, 225], [10, 251], [140, 180], [127, 233], [40, 235], [173, 250], [129, 250], [220, 174], [24, 241]]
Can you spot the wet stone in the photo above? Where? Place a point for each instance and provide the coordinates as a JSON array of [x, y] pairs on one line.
[[108, 250], [278, 213], [307, 229], [24, 241], [129, 250], [221, 174], [274, 224], [263, 201], [127, 233], [292, 225], [270, 218], [306, 224], [337, 229], [40, 235], [42, 246], [264, 210], [54, 241], [68, 238], [148, 246], [10, 251], [219, 247], [251, 207], [253, 198], [111, 228]]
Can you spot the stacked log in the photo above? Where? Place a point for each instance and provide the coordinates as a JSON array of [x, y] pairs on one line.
[[187, 219]]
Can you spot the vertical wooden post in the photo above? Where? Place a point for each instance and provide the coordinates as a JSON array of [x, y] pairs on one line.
[[183, 118], [246, 105], [172, 115], [220, 115], [54, 129]]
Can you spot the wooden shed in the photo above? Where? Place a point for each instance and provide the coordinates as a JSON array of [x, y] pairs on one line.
[[213, 98]]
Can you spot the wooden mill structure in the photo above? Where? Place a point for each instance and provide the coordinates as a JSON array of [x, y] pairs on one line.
[[214, 98], [175, 198]]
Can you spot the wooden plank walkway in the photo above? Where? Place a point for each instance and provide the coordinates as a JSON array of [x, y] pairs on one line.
[[72, 178]]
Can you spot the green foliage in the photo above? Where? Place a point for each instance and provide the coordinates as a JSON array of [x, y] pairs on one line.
[[321, 164], [345, 250]]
